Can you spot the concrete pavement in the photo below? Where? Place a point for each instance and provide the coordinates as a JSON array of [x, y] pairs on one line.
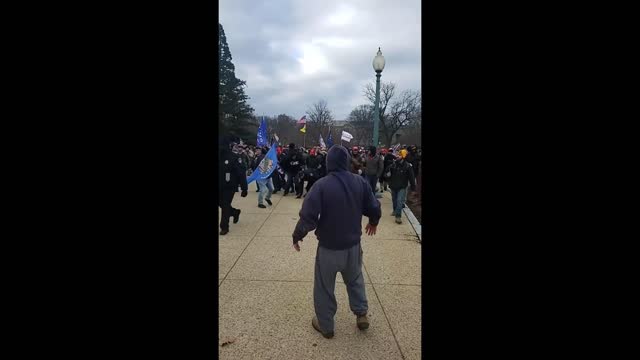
[[266, 289]]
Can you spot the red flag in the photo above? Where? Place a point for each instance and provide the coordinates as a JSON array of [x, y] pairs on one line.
[[303, 120]]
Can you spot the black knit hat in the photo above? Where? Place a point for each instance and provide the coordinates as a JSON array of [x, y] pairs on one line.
[[292, 146]]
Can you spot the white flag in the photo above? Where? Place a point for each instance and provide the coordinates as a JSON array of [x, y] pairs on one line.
[[346, 136], [322, 142], [276, 136], [395, 149]]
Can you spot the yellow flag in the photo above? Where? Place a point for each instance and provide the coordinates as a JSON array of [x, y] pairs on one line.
[[304, 128]]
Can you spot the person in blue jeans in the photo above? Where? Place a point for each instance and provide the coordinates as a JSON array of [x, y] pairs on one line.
[[265, 186], [401, 177], [266, 189]]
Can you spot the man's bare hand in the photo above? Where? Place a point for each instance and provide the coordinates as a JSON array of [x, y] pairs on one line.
[[371, 229], [297, 245]]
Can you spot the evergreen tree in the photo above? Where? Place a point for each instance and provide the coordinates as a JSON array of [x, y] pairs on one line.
[[235, 115]]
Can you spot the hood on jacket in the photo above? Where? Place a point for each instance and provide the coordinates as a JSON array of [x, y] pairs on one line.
[[338, 159]]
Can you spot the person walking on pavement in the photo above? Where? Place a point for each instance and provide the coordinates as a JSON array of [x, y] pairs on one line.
[[314, 168], [231, 176], [278, 174], [302, 174], [292, 164], [334, 208], [412, 158], [266, 185], [400, 176], [389, 158], [373, 168], [355, 165]]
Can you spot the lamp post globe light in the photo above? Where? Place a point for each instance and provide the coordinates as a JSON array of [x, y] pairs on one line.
[[378, 66]]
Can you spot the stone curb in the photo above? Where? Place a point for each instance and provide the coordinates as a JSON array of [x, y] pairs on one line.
[[414, 223], [417, 228]]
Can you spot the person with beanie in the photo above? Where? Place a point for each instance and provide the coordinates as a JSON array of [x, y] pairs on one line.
[[334, 208], [400, 178]]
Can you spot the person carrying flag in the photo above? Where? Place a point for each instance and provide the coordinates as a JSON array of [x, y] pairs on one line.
[[265, 185]]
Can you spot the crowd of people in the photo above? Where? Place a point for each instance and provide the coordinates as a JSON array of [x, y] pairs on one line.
[[394, 169], [347, 182]]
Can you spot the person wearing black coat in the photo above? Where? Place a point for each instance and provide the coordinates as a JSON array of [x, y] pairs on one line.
[[231, 176], [400, 176], [412, 158], [292, 165], [388, 161], [278, 175], [314, 168]]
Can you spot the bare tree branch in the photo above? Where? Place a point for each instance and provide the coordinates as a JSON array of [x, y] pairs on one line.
[[360, 124], [387, 91], [404, 111], [320, 119]]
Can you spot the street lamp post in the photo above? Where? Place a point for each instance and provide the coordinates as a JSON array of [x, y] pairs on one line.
[[378, 65]]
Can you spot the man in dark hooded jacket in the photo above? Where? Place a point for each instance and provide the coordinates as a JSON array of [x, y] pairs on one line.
[[334, 208]]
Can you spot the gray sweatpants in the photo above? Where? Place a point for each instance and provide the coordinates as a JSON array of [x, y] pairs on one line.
[[328, 264]]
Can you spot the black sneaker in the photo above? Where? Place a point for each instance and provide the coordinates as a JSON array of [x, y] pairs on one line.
[[285, 193], [261, 206], [236, 217], [224, 232], [275, 192], [299, 196], [268, 202]]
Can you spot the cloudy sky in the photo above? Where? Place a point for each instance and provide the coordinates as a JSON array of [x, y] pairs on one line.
[[293, 53]]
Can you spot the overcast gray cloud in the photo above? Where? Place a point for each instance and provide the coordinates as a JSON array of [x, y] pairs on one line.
[[293, 53]]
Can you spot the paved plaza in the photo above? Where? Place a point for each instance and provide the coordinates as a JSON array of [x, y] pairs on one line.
[[266, 289]]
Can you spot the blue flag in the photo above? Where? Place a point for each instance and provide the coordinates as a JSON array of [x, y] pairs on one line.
[[329, 140], [266, 167], [262, 133]]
